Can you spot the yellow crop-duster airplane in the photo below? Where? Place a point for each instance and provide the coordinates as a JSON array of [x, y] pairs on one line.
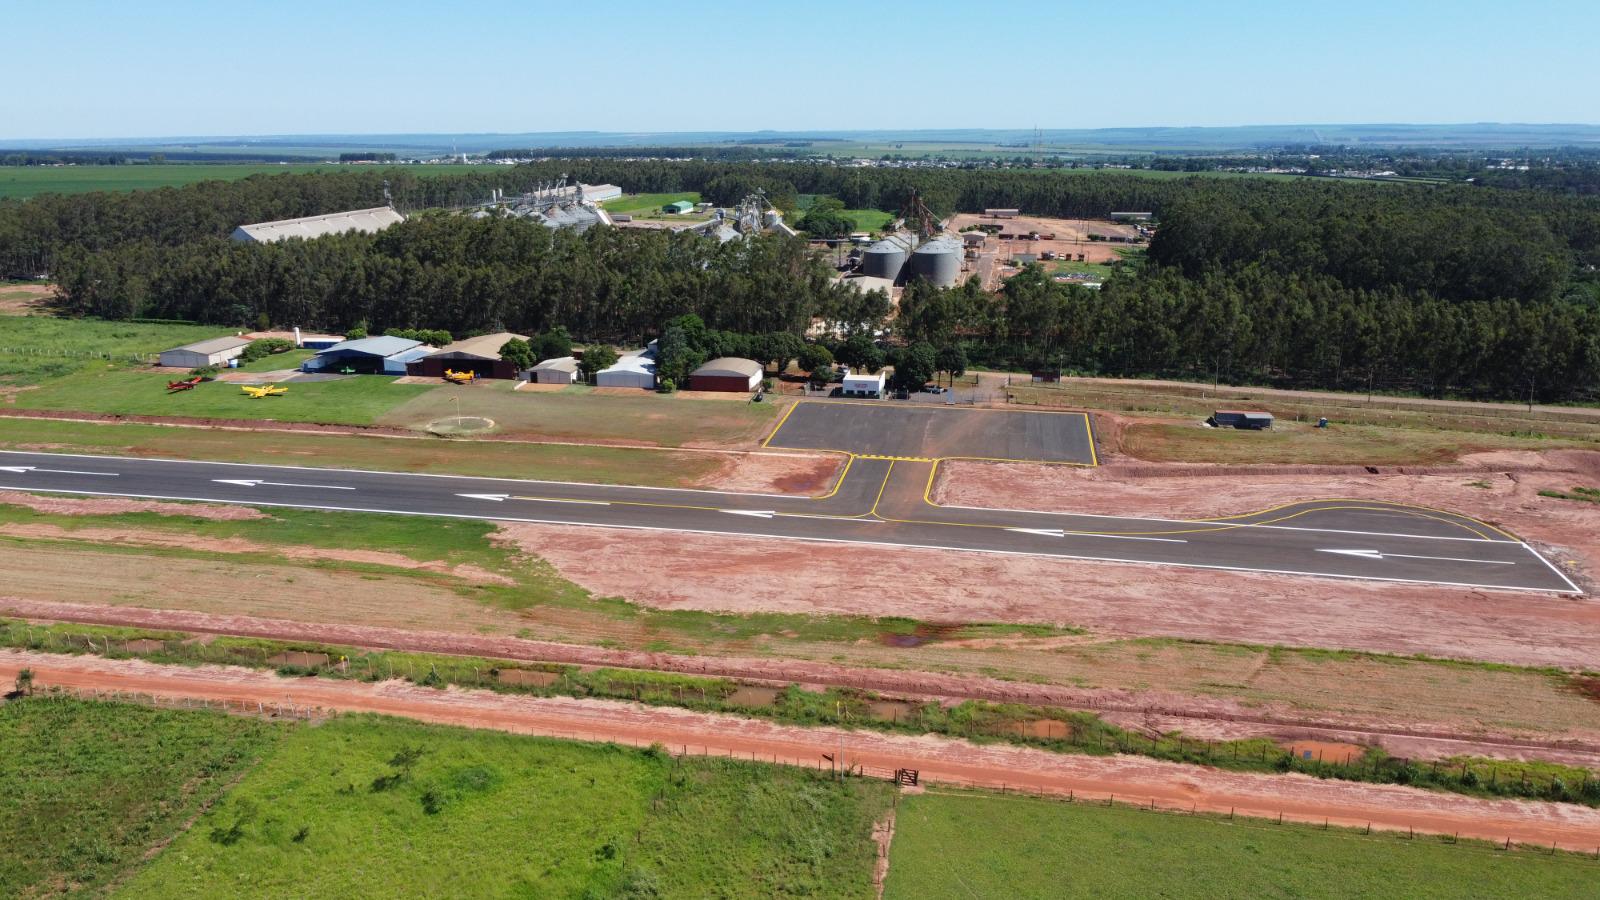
[[460, 377], [266, 390]]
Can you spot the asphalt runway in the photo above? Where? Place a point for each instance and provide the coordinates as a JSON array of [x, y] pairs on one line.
[[876, 501], [889, 430]]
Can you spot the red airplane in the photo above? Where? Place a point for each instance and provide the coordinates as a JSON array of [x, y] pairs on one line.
[[186, 385]]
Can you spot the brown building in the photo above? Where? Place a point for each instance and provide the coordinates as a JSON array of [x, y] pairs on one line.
[[727, 373], [479, 355]]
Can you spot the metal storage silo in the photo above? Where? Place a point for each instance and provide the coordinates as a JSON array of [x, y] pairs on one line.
[[938, 261], [883, 259]]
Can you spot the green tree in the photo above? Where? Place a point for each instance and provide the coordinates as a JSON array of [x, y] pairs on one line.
[[552, 344], [781, 346], [815, 357], [914, 366], [951, 359], [518, 352], [595, 358]]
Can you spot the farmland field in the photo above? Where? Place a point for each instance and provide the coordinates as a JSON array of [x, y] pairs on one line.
[[21, 182], [1047, 848], [88, 788], [34, 349], [375, 807], [648, 205]]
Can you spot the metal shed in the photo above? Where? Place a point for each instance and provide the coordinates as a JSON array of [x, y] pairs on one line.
[[479, 355], [561, 370], [638, 371], [727, 373], [367, 356], [213, 352]]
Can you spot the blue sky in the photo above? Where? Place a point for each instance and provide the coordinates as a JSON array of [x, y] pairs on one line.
[[79, 69]]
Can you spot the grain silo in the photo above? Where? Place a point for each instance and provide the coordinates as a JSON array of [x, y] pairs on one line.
[[885, 258], [938, 261]]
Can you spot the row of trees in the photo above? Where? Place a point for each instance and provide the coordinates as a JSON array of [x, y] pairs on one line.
[[471, 276], [1304, 283]]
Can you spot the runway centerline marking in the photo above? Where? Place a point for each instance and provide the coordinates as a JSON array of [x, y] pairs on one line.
[[257, 482], [23, 470], [1381, 555]]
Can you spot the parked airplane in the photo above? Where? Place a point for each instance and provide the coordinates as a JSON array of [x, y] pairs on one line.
[[266, 390], [185, 385], [455, 377]]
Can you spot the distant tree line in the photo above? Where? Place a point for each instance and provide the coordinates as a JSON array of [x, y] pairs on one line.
[[471, 276], [1439, 289], [359, 156]]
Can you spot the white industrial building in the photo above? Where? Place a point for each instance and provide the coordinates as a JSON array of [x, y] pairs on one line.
[[560, 370], [637, 369], [860, 384], [366, 221], [213, 352]]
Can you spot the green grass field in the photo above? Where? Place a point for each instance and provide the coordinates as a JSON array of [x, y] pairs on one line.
[[87, 788], [578, 413], [1046, 848], [289, 359], [336, 811], [36, 349], [22, 182], [494, 459], [350, 401], [648, 205]]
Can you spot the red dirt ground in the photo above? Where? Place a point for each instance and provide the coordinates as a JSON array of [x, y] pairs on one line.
[[1501, 488], [939, 760], [1146, 711], [108, 506], [723, 573]]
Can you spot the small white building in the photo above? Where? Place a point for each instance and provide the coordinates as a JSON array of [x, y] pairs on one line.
[[860, 384], [561, 370], [213, 352], [636, 371]]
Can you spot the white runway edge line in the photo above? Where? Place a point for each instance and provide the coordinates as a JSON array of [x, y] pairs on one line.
[[836, 540]]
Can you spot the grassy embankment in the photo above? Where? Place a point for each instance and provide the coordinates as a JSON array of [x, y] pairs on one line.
[[1043, 848], [21, 182], [1055, 729], [368, 805], [87, 789]]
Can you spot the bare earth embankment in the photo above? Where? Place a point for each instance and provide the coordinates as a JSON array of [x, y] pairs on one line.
[[940, 760]]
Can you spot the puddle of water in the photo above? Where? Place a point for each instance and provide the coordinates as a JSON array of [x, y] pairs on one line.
[[892, 710], [753, 696], [1043, 729]]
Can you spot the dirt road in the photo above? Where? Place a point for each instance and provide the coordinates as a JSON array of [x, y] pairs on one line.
[[1133, 779]]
